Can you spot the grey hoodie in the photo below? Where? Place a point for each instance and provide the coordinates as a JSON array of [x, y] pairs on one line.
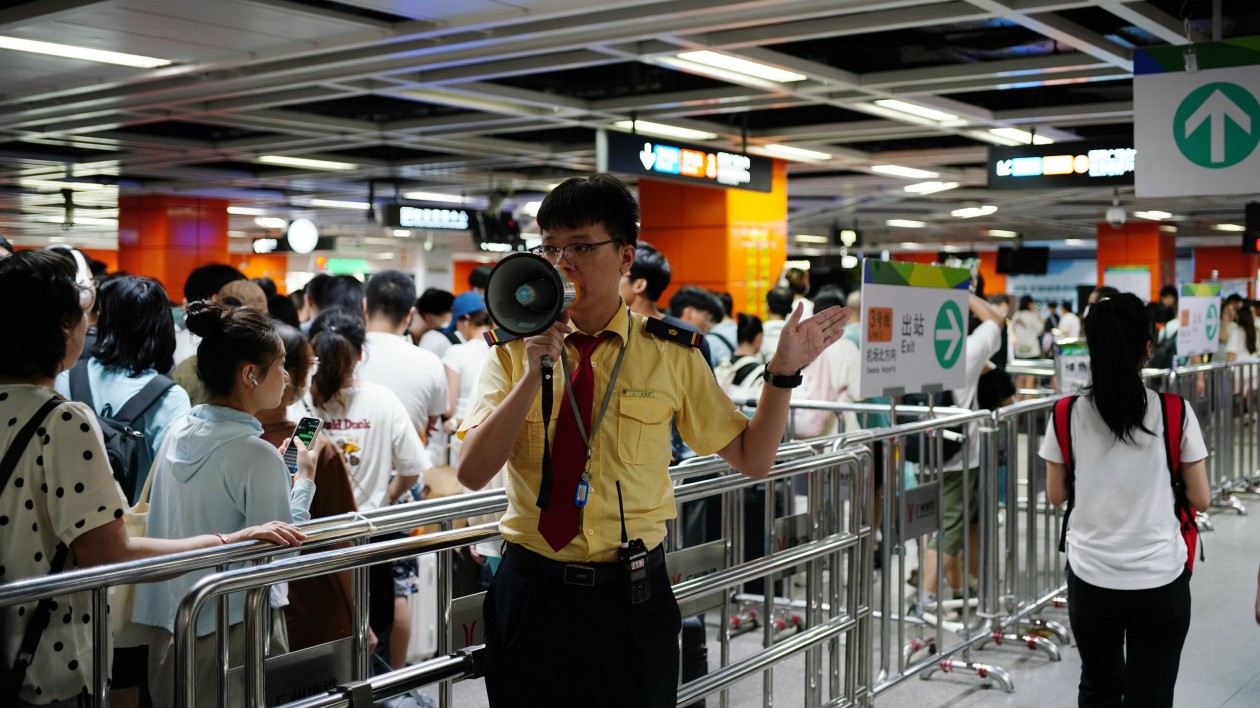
[[214, 474]]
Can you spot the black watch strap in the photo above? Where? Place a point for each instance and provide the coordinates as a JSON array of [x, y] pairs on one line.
[[782, 381]]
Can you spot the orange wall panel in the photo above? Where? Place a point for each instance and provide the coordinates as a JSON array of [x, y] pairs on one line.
[[270, 265], [1138, 244], [166, 237], [1228, 262]]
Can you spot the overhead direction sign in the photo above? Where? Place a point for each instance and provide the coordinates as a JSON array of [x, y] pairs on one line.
[[914, 327], [1198, 132], [1199, 319], [659, 158], [1074, 164]]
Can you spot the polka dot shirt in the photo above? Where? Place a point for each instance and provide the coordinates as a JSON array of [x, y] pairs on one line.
[[62, 487]]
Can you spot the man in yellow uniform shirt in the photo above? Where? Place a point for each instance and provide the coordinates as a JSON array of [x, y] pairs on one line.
[[565, 624]]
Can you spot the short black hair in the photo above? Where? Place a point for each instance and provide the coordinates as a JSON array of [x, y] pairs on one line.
[[135, 330], [282, 309], [747, 327], [600, 199], [344, 291], [479, 277], [267, 284], [317, 287], [650, 265], [44, 284], [435, 302], [699, 298], [1068, 305], [207, 280], [1168, 291], [779, 301], [391, 293], [728, 302], [829, 296]]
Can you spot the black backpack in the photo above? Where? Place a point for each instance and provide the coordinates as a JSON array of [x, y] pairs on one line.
[[125, 446]]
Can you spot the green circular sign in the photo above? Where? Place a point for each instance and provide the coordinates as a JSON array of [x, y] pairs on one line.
[[1212, 322], [1217, 125], [949, 334]]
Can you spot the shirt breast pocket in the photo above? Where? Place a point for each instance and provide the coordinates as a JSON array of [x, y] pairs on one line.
[[531, 452], [643, 436]]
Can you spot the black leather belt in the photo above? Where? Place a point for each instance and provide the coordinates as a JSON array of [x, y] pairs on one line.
[[590, 574]]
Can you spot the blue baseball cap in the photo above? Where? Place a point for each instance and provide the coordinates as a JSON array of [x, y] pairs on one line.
[[465, 304]]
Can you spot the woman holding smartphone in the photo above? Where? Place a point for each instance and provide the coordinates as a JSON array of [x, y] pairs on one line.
[[214, 474], [319, 608]]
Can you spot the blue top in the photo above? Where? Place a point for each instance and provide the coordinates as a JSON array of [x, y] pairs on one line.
[[215, 474], [719, 336], [112, 387]]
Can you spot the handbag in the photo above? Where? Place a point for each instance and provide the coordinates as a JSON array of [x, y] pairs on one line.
[[122, 598], [12, 678]]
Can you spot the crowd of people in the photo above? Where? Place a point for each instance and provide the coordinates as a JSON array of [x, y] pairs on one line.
[[406, 383]]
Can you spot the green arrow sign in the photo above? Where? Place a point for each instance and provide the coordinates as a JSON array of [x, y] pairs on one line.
[[1217, 125], [949, 334], [1212, 322]]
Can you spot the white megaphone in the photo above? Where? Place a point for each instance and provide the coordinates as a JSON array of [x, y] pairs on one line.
[[525, 294]]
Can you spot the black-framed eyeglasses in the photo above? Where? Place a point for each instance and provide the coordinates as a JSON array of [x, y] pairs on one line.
[[572, 253]]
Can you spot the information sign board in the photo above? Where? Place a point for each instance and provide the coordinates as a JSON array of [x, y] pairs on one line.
[[1072, 366], [914, 320], [1199, 319], [660, 158]]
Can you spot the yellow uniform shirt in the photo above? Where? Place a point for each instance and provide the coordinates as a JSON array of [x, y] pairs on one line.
[[659, 380]]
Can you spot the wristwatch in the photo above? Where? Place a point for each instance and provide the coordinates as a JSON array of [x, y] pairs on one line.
[[782, 381]]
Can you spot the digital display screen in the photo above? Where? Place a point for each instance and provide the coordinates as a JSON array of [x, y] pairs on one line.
[[1074, 164], [662, 158]]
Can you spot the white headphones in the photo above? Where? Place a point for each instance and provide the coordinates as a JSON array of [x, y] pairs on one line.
[[253, 380]]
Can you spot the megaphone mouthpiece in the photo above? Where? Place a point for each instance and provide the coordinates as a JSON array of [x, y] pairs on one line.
[[525, 294]]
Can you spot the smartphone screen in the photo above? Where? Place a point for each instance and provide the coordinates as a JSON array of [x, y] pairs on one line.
[[306, 430]]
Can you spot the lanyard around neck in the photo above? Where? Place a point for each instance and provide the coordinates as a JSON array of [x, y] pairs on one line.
[[612, 385]]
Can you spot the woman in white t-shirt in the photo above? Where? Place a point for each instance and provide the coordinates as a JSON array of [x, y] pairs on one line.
[[382, 451], [1128, 584]]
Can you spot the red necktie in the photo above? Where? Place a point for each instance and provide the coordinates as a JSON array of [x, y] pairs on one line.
[[558, 523]]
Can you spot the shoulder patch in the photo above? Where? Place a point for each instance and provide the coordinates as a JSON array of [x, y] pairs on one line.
[[678, 335], [499, 336]]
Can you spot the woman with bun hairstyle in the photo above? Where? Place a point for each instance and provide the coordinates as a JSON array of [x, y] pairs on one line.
[[319, 608], [1128, 581], [61, 503], [376, 438], [215, 474]]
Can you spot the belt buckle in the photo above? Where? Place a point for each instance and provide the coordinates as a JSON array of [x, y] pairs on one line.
[[575, 574]]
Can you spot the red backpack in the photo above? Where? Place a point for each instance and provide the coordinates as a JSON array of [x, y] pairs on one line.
[[1173, 408]]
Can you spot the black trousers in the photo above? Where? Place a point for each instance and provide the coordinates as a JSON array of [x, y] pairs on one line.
[[1129, 640], [554, 644]]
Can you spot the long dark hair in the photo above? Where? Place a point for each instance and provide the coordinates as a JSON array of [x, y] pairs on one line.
[[136, 330], [338, 337], [1118, 332], [1245, 320], [230, 338]]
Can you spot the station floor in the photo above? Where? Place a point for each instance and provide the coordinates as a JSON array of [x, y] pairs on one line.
[[1220, 666]]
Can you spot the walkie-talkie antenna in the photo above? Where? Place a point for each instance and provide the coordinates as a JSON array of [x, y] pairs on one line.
[[625, 539]]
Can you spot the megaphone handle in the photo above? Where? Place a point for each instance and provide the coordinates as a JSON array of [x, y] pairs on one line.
[[544, 486]]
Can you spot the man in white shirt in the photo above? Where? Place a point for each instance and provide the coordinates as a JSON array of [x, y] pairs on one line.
[[429, 325], [983, 342], [414, 375], [1069, 323]]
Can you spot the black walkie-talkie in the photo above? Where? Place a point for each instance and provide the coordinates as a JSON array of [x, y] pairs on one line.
[[634, 561]]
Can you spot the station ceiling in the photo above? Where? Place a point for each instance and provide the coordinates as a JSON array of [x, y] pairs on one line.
[[494, 101]]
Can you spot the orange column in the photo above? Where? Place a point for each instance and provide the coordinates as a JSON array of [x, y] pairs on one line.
[[166, 237], [726, 240], [270, 265], [1227, 262], [1139, 244]]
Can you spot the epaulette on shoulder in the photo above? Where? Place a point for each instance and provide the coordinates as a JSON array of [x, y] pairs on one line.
[[678, 335], [499, 336]]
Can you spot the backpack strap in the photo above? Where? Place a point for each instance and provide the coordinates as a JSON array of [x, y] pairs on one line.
[[80, 389], [1173, 408], [1063, 433], [43, 612], [724, 340], [741, 374], [143, 400]]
